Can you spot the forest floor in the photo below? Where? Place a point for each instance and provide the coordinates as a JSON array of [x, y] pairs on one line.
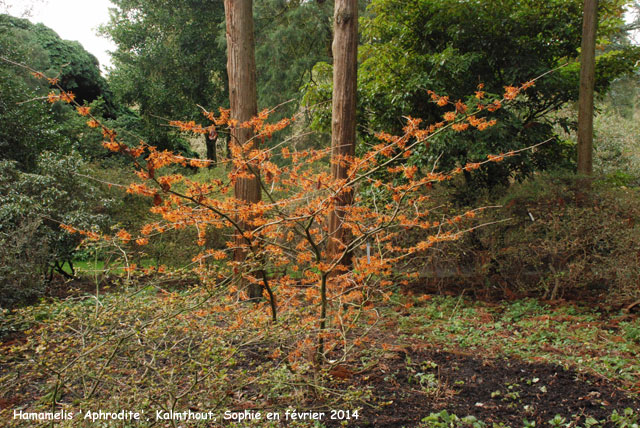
[[427, 361]]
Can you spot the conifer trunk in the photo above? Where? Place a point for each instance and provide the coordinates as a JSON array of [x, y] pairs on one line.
[[343, 126], [241, 69]]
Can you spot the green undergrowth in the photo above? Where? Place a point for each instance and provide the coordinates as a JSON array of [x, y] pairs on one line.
[[150, 350], [575, 336]]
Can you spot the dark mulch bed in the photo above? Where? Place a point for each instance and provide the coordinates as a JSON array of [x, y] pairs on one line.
[[507, 390]]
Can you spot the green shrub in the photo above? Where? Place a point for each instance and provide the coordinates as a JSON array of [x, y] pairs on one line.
[[32, 207], [558, 238], [21, 263], [616, 140]]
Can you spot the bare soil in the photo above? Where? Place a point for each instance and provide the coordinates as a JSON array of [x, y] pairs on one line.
[[504, 390]]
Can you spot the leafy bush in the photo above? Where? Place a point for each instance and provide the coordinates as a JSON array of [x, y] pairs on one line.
[[27, 128], [616, 142], [558, 238], [21, 262], [32, 206], [313, 233]]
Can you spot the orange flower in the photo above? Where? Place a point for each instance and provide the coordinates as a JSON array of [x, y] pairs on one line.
[[528, 84], [510, 92], [124, 235], [147, 229], [494, 106], [69, 229], [113, 146], [461, 107], [443, 101], [219, 255], [67, 97], [83, 111], [471, 166], [459, 127], [52, 97], [410, 172]]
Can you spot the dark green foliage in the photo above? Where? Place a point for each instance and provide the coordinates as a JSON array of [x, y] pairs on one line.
[[557, 241], [39, 185], [171, 56], [168, 62], [168, 58], [21, 263], [32, 206], [450, 47], [42, 49], [27, 126], [291, 37]]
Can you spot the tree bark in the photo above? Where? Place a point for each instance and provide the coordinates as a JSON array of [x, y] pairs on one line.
[[210, 142], [587, 85], [343, 126], [241, 69]]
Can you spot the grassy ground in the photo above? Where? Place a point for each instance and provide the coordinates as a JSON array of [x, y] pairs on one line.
[[424, 360], [91, 267]]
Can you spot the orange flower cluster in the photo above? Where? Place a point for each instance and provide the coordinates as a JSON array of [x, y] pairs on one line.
[[480, 123], [142, 241], [83, 111], [459, 127], [89, 234], [189, 127], [221, 120], [511, 92], [67, 97], [123, 235]]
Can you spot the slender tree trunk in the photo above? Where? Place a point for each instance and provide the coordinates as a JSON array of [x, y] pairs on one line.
[[241, 68], [343, 126], [210, 142], [587, 84]]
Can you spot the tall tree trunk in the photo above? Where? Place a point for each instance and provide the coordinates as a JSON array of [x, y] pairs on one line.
[[343, 126], [587, 84], [241, 68]]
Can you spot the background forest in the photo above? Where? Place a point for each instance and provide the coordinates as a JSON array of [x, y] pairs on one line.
[[545, 277]]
